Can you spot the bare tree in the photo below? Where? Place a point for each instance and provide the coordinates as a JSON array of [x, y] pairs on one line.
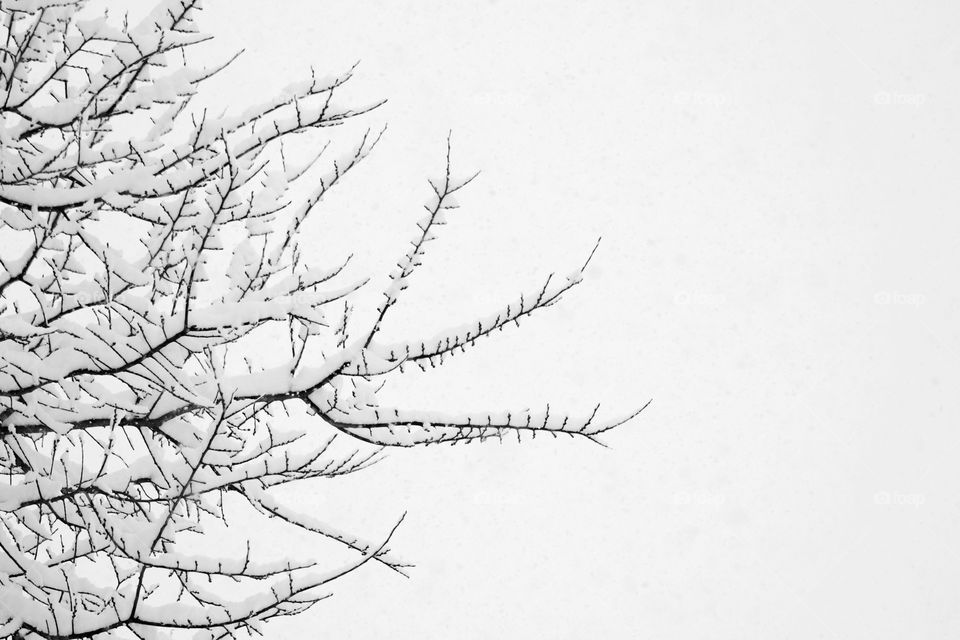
[[145, 249]]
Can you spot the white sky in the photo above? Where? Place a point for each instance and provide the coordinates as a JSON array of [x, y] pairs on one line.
[[776, 188]]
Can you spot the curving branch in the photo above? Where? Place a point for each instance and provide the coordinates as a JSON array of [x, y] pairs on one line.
[[148, 251]]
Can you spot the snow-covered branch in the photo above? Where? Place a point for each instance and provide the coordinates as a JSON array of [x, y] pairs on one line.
[[146, 248]]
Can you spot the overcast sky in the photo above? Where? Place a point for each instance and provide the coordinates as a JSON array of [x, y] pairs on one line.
[[776, 188]]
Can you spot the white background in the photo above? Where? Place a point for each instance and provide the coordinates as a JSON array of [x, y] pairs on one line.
[[777, 191]]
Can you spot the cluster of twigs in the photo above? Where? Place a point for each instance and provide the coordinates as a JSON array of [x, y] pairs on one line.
[[143, 247]]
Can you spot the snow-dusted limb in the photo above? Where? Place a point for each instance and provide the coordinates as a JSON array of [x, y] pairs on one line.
[[145, 244]]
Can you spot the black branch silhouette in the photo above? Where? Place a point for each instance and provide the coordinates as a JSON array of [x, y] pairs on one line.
[[144, 244]]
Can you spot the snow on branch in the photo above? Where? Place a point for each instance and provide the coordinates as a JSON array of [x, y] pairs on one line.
[[147, 247], [432, 351], [396, 428]]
